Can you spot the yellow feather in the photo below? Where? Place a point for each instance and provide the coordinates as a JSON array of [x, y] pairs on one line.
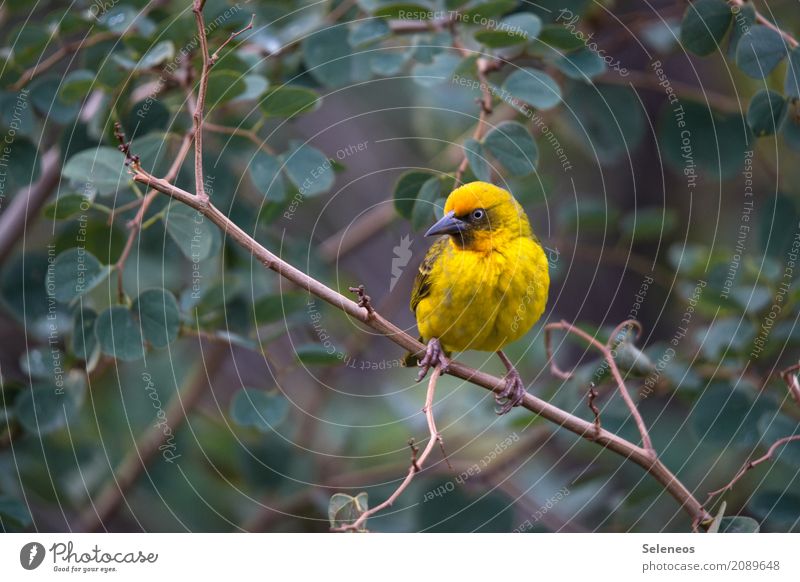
[[487, 288]]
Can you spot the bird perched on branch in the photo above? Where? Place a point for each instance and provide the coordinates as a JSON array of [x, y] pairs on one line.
[[483, 285]]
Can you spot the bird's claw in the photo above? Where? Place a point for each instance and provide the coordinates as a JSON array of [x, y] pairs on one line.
[[512, 394], [434, 356]]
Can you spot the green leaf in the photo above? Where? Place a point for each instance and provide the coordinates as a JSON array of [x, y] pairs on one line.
[[100, 169], [499, 38], [513, 146], [158, 312], [487, 11], [46, 98], [345, 510], [223, 86], [716, 142], [46, 408], [386, 63], [77, 85], [13, 514], [265, 173], [119, 335], [704, 24], [610, 119], [791, 126], [738, 524], [725, 417], [581, 65], [777, 222], [529, 24], [157, 55], [254, 87], [476, 156], [84, 340], [555, 36], [75, 272], [760, 51], [429, 193], [792, 83], [714, 527], [258, 409], [406, 191], [439, 70], [278, 307], [403, 10], [66, 206], [309, 169], [766, 113], [589, 215], [287, 101], [368, 32], [534, 87], [24, 278], [195, 235], [778, 508], [330, 59], [648, 224], [743, 21], [317, 354]]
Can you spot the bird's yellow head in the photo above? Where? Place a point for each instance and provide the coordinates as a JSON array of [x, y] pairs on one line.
[[480, 216]]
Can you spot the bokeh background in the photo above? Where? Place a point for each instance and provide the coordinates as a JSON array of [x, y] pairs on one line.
[[156, 378]]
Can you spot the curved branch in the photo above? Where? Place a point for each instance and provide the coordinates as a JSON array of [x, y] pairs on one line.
[[582, 428], [605, 349], [417, 462]]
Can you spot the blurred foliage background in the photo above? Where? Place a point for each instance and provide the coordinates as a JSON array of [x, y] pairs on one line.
[[155, 377]]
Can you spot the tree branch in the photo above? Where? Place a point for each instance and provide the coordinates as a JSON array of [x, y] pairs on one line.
[[587, 430], [417, 462], [605, 349]]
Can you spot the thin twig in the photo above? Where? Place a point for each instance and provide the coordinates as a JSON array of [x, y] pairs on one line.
[[215, 57], [609, 357], [415, 466], [66, 50], [197, 117], [754, 463], [593, 407], [238, 131], [789, 376], [135, 224]]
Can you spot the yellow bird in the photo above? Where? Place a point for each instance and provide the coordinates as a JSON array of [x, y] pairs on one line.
[[483, 285]]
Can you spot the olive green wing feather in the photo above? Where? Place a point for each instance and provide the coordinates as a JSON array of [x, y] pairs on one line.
[[422, 284]]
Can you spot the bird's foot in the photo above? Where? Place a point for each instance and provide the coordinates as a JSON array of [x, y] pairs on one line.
[[512, 394], [434, 356]]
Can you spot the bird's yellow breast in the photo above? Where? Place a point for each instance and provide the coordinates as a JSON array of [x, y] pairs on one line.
[[484, 300]]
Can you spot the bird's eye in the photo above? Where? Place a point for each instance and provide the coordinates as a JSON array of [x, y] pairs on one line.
[[477, 214]]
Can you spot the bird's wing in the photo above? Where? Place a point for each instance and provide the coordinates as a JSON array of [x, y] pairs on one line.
[[422, 284]]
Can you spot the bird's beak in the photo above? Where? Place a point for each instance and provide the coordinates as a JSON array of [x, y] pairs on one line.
[[448, 224]]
